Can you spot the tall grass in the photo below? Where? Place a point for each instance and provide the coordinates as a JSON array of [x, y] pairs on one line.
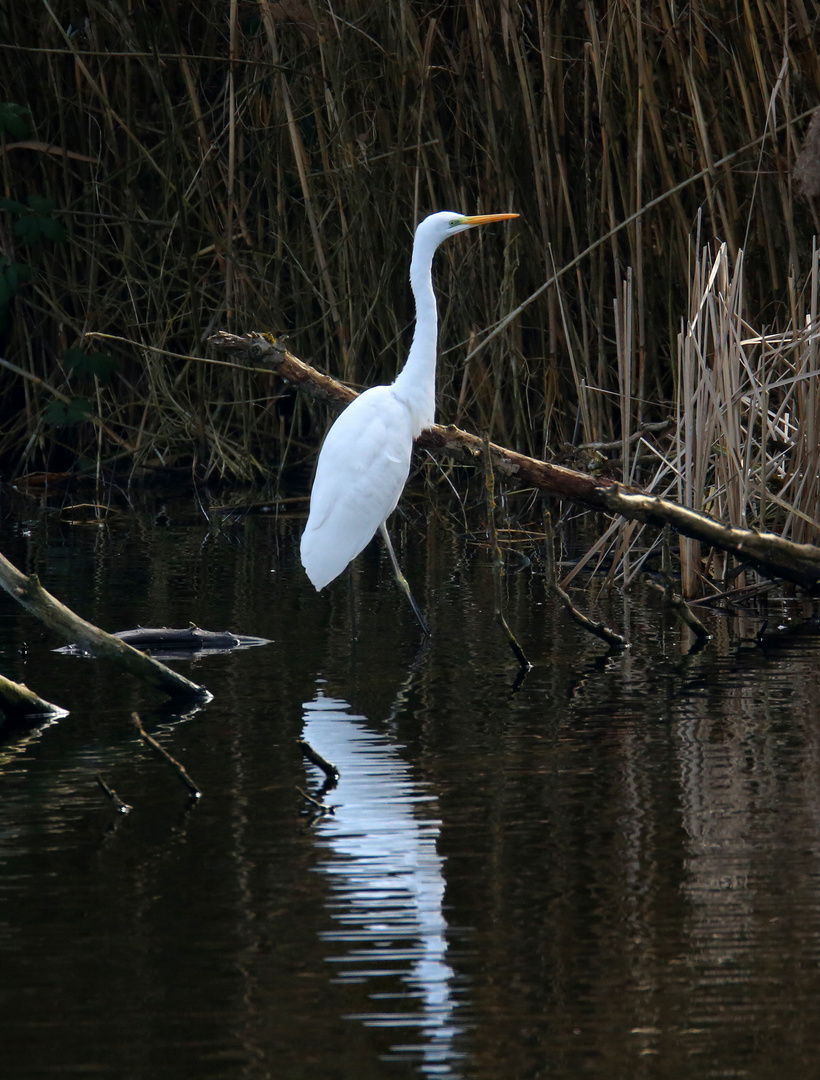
[[262, 165]]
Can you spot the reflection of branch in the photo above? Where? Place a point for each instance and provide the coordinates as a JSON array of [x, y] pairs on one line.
[[318, 806], [766, 552]]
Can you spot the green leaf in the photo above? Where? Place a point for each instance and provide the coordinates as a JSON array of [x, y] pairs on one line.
[[13, 206], [34, 221], [14, 120], [29, 229], [68, 413], [32, 228], [40, 205], [12, 276], [53, 230], [99, 364]]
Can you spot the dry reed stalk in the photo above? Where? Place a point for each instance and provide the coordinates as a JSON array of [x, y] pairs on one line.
[[747, 448]]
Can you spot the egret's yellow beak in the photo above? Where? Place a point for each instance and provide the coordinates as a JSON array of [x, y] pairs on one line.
[[485, 219]]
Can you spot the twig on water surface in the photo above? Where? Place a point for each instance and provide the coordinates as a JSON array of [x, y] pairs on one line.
[[332, 774], [327, 767], [742, 593], [122, 807], [498, 564], [163, 753], [599, 629]]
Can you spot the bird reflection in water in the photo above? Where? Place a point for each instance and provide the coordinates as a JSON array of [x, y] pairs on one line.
[[386, 886]]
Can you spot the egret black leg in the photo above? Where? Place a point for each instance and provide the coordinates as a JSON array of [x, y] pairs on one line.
[[351, 603], [402, 580]]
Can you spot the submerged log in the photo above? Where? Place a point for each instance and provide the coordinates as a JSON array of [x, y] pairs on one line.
[[188, 641], [191, 637], [766, 552], [39, 602]]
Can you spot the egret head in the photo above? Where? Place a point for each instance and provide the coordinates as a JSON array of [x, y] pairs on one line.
[[447, 223]]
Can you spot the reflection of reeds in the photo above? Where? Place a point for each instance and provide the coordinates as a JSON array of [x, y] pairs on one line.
[[260, 166]]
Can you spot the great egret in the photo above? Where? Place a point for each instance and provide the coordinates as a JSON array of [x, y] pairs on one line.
[[365, 459]]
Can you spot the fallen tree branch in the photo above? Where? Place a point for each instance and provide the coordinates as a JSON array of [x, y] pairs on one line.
[[18, 703], [767, 552], [260, 349], [39, 602]]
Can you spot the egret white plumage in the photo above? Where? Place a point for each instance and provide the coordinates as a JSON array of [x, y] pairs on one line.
[[365, 459]]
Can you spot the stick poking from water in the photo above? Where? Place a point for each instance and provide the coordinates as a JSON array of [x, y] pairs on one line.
[[599, 629], [327, 767], [163, 753], [673, 598], [121, 806], [498, 564]]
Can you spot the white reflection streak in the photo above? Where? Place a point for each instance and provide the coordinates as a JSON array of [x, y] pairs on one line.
[[387, 879]]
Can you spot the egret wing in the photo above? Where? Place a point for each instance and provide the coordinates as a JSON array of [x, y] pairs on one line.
[[361, 472]]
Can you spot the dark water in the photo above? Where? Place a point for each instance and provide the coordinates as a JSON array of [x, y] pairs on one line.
[[613, 872]]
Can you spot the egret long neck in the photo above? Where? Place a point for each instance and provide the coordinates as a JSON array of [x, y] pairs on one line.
[[416, 383]]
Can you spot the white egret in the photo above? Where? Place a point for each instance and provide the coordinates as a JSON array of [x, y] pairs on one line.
[[365, 459]]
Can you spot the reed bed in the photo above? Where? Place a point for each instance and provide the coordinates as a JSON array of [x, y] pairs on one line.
[[745, 443], [261, 166]]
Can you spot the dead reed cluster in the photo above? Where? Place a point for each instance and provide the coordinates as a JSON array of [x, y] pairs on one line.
[[172, 169]]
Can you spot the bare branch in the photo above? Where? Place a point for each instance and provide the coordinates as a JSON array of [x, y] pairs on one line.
[[766, 552]]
